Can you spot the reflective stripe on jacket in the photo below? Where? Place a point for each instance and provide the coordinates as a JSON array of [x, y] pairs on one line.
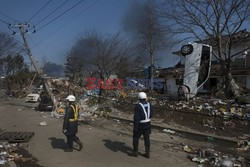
[[146, 113], [76, 113]]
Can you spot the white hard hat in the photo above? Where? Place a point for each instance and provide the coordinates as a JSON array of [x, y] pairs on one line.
[[71, 98], [142, 95]]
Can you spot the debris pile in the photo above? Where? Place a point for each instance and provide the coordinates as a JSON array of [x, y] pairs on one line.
[[243, 145], [9, 154], [212, 158]]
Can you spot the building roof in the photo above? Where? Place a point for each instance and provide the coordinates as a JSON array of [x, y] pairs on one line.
[[215, 71], [239, 37]]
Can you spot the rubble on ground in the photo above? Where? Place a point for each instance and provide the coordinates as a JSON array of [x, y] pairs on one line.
[[9, 154], [212, 158], [243, 145], [43, 123]]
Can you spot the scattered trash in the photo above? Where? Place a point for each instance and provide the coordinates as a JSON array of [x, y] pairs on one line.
[[247, 116], [43, 123], [8, 153], [60, 111], [226, 163], [168, 131], [243, 145], [3, 153], [117, 121], [210, 138], [199, 108], [248, 107], [222, 110], [199, 160], [2, 160], [229, 123], [187, 149], [85, 114]]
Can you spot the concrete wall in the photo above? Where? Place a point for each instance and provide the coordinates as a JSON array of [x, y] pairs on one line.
[[171, 85], [173, 88], [248, 82]]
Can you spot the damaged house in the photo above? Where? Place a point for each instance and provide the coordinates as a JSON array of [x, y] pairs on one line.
[[240, 68]]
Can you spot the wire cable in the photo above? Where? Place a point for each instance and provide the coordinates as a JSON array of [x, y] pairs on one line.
[[60, 15], [39, 10], [51, 12], [7, 17], [71, 19], [19, 42], [35, 44], [5, 22]]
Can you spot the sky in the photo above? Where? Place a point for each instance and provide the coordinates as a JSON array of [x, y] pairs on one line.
[[57, 38], [54, 40]]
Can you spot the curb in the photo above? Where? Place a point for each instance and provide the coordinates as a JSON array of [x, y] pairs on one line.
[[206, 137]]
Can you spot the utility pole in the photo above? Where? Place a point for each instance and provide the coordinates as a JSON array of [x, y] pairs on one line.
[[23, 28]]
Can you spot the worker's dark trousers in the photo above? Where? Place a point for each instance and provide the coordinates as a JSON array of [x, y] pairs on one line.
[[70, 139], [146, 136]]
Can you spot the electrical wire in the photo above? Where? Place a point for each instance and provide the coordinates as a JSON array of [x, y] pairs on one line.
[[70, 20], [60, 15], [19, 42], [39, 10], [35, 44], [7, 16], [5, 22], [51, 12]]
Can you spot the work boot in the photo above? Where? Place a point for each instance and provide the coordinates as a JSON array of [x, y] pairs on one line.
[[147, 154], [80, 144], [134, 153]]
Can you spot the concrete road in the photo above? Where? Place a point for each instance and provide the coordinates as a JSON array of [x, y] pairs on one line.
[[102, 147]]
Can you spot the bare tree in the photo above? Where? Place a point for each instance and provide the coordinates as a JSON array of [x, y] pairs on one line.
[[99, 55], [148, 30], [10, 65], [139, 64], [214, 22], [73, 66], [106, 53], [7, 44]]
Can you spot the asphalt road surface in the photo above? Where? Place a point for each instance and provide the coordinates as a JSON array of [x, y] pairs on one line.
[[103, 146]]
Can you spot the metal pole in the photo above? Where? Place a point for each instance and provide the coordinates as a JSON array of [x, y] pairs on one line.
[[38, 70]]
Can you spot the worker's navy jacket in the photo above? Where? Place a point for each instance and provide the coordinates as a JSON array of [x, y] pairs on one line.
[[70, 120], [142, 116]]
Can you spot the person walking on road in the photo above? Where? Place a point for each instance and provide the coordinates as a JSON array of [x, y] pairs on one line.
[[142, 124], [70, 124]]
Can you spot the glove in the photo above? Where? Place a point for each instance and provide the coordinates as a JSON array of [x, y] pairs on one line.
[[64, 130]]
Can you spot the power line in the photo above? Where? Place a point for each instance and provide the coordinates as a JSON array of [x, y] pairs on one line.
[[39, 10], [61, 15], [5, 22], [18, 42], [7, 16], [52, 12], [71, 19], [37, 46]]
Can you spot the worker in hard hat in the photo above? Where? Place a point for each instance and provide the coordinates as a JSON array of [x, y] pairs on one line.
[[142, 126], [70, 125]]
